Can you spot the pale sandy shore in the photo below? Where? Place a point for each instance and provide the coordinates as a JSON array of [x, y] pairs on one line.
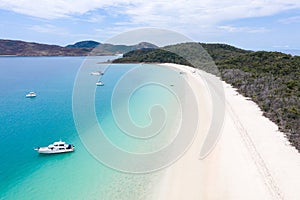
[[252, 159]]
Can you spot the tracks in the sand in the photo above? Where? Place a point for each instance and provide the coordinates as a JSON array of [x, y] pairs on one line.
[[255, 155]]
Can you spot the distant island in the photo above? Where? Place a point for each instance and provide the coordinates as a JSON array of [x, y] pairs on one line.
[[83, 48], [271, 79]]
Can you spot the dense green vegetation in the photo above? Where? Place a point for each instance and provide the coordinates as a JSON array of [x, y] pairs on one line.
[[151, 55], [84, 44], [271, 79]]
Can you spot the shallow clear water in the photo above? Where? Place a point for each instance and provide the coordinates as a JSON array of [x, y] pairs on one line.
[[27, 123]]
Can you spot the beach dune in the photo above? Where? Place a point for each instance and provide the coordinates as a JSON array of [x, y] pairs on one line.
[[251, 160]]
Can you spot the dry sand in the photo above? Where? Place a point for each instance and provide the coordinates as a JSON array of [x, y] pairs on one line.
[[252, 159]]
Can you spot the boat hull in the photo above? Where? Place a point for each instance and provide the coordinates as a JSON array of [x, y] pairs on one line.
[[30, 96]]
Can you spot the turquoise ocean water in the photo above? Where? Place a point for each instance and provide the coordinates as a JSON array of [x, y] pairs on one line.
[[28, 123]]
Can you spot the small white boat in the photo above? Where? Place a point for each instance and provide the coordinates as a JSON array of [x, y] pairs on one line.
[[56, 147], [99, 83], [97, 73], [31, 95]]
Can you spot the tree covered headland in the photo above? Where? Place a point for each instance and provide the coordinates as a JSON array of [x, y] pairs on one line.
[[271, 79]]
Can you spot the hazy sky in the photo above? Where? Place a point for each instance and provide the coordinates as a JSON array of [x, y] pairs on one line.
[[250, 24]]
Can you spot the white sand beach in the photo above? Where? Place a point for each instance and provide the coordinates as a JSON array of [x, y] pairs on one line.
[[252, 159]]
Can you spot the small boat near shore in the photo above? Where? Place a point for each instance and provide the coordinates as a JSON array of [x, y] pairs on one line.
[[31, 95], [99, 83], [56, 147], [97, 73]]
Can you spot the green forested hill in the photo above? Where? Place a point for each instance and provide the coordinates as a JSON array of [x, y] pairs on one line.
[[271, 79], [151, 55]]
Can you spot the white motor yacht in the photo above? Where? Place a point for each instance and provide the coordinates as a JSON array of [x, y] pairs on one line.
[[31, 95], [56, 147]]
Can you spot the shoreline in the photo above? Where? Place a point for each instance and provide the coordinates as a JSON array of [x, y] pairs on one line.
[[252, 159]]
